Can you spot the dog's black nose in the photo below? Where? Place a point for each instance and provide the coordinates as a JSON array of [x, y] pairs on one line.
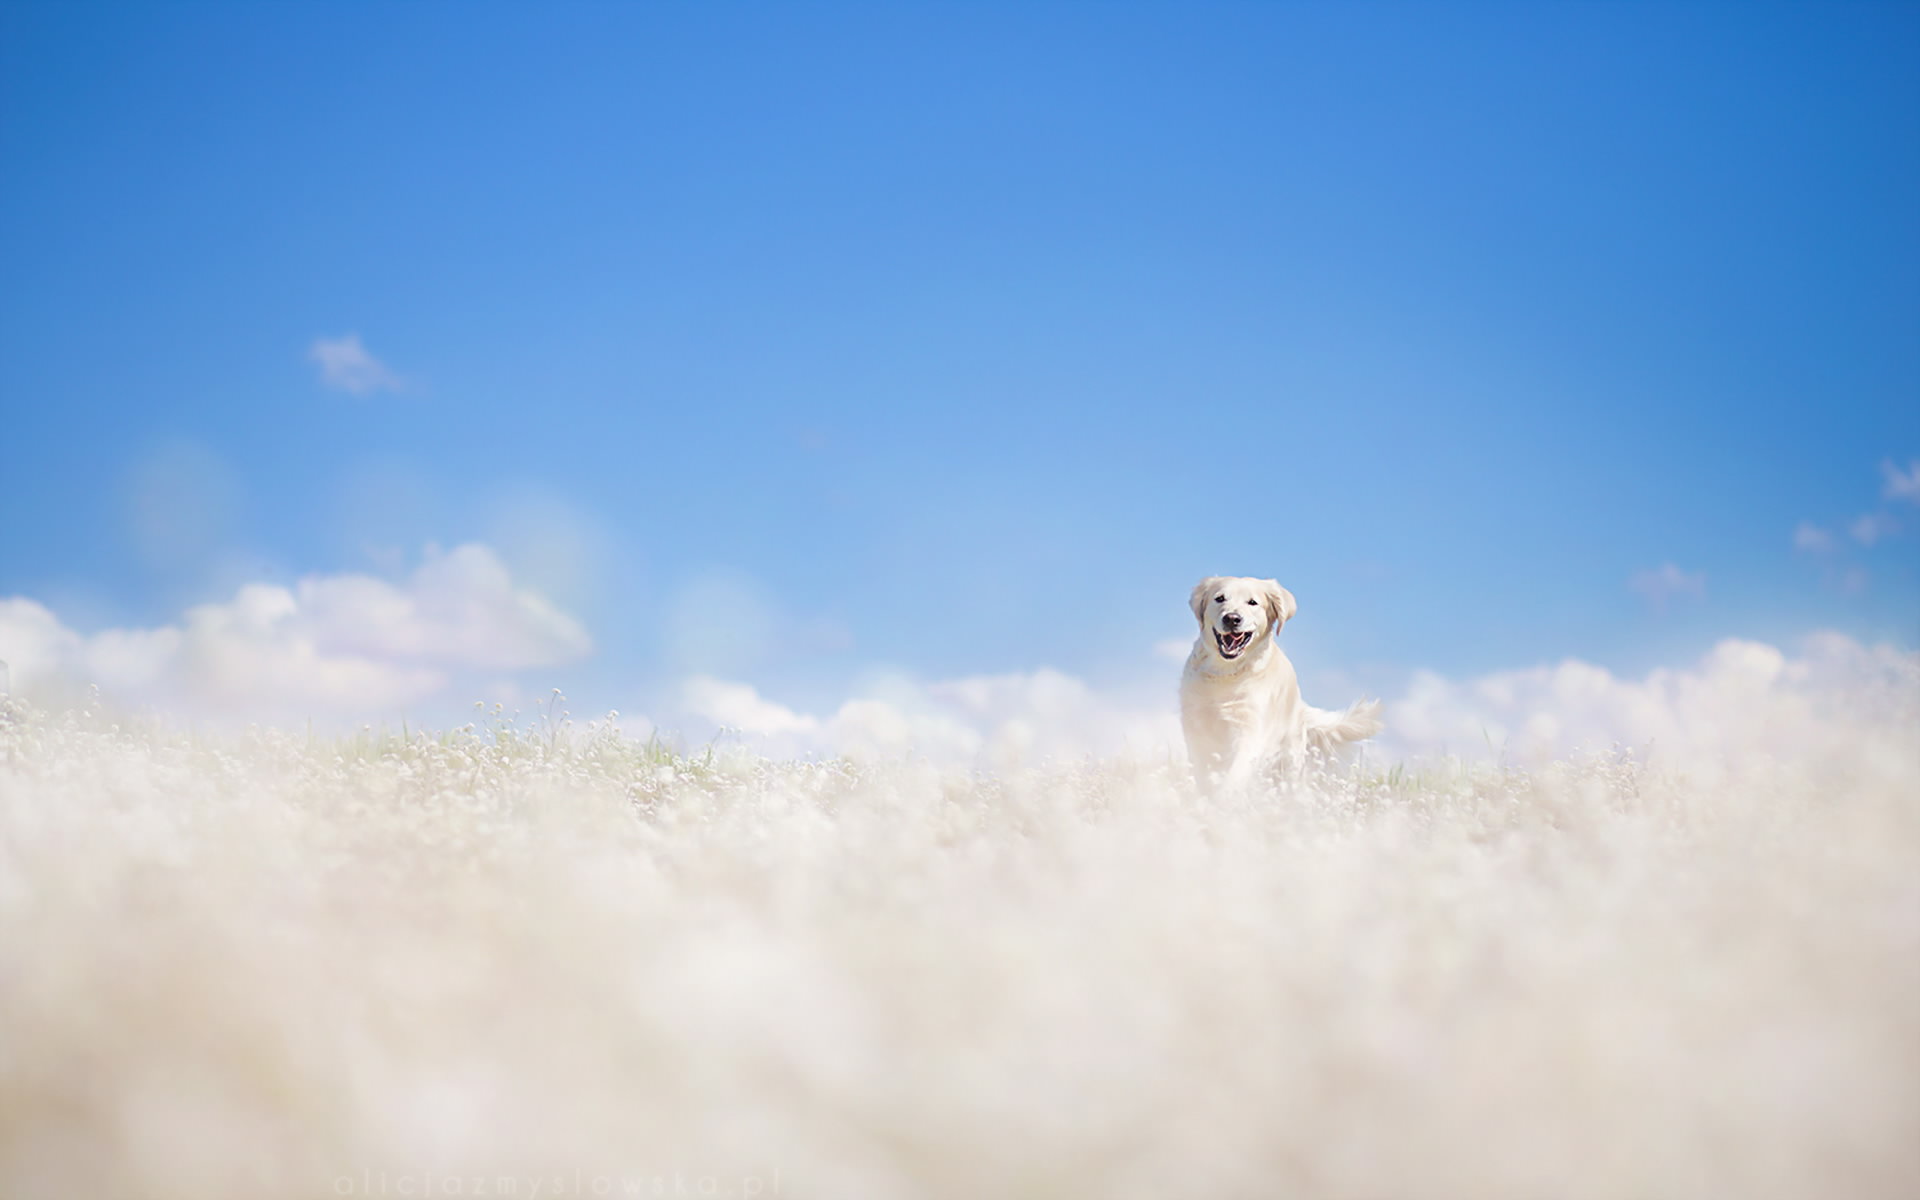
[[1230, 620]]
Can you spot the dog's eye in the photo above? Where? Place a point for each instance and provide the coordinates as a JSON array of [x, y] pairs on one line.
[[1253, 602], [1221, 599]]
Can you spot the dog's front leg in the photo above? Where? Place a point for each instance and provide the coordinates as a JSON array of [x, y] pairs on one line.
[[1208, 750], [1244, 764]]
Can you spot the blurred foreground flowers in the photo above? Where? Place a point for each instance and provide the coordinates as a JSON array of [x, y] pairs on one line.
[[516, 961]]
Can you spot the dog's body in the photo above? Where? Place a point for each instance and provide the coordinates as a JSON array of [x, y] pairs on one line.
[[1240, 700]]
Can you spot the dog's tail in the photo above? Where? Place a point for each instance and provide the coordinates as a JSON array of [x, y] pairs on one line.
[[1327, 731]]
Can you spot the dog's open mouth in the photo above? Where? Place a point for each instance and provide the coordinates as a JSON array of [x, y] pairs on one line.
[[1231, 644]]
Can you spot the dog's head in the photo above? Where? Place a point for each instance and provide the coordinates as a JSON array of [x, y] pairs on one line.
[[1236, 613]]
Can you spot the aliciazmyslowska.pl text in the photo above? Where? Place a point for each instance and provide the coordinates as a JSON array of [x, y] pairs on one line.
[[545, 1187]]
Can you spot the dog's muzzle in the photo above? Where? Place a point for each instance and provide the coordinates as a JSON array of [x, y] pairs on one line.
[[1231, 644]]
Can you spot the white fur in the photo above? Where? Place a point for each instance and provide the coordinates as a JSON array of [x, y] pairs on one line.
[[1242, 711]]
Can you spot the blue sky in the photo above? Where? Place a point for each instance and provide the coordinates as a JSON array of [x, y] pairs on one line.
[[798, 342]]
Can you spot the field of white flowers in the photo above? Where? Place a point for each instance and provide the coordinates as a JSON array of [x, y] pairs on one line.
[[550, 960]]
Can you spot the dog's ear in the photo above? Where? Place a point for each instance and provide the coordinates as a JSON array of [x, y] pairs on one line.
[[1202, 592], [1280, 603]]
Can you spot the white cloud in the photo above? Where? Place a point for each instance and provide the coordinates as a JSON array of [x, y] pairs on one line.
[[1901, 485], [740, 706], [1662, 584], [262, 650], [33, 642], [1743, 701], [460, 608], [996, 720], [1871, 527], [346, 364], [1173, 649], [1812, 538], [331, 643], [902, 726], [1046, 714]]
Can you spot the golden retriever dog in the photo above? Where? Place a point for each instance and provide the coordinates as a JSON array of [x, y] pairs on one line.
[[1240, 700]]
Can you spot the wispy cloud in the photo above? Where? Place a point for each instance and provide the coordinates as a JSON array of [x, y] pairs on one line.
[[346, 365], [1869, 528], [725, 622], [1811, 538], [1663, 584], [182, 501], [1901, 485]]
